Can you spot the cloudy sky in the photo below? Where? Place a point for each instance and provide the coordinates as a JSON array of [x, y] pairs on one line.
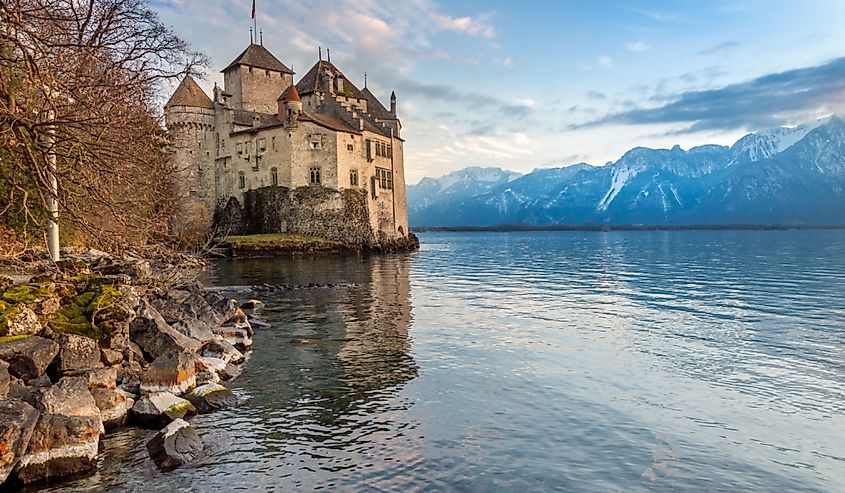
[[531, 84]]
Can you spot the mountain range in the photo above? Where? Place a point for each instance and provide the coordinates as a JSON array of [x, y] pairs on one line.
[[782, 176]]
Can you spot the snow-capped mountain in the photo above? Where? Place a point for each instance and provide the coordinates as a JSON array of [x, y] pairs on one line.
[[797, 177], [457, 185], [767, 143]]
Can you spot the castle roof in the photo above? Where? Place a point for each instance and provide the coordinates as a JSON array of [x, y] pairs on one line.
[[244, 118], [313, 81], [189, 93], [290, 94], [374, 106], [258, 56]]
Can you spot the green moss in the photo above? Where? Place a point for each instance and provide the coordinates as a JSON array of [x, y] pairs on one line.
[[5, 339], [91, 313], [179, 407], [26, 293]]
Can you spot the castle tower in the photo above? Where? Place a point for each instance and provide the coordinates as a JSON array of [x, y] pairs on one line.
[[255, 79], [189, 117], [289, 106]]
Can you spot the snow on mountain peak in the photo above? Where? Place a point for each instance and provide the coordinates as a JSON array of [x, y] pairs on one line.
[[767, 143]]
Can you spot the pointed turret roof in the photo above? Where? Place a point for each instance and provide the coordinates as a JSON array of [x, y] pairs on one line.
[[189, 93], [313, 81], [258, 56], [290, 94], [374, 106]]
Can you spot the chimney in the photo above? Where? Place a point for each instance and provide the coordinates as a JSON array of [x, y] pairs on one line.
[[393, 103]]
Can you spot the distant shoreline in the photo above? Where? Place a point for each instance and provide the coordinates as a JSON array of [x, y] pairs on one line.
[[510, 228]]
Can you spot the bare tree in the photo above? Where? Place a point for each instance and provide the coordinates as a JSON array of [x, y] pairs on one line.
[[80, 103]]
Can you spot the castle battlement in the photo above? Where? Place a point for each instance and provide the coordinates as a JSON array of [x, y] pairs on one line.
[[261, 130]]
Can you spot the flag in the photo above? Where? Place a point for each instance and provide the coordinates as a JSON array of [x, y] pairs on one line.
[[253, 9]]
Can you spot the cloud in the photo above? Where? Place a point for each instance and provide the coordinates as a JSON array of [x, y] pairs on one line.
[[771, 100], [596, 95], [478, 26], [657, 15], [472, 100], [724, 47], [604, 61], [638, 46], [508, 62]]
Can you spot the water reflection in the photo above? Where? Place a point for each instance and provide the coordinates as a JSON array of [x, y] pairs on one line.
[[324, 384]]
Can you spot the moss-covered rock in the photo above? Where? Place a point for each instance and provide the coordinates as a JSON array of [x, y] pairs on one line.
[[93, 312]]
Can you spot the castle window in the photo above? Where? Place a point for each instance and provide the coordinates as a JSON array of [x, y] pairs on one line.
[[350, 147], [353, 177], [262, 144], [384, 178], [250, 69], [273, 143], [315, 176], [315, 142], [389, 151], [274, 176], [267, 73], [239, 148], [241, 180]]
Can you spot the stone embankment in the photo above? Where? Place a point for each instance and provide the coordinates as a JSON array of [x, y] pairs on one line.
[[295, 244], [109, 342]]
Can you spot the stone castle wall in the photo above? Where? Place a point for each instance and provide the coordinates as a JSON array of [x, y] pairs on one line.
[[339, 215]]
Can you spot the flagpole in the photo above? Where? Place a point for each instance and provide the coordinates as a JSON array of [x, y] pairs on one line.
[[254, 20]]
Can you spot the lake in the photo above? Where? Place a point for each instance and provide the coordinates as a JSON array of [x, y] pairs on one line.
[[555, 361]]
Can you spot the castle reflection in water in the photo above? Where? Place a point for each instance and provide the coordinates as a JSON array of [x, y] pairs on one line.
[[331, 353]]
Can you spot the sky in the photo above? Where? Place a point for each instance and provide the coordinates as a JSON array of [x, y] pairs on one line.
[[533, 84]]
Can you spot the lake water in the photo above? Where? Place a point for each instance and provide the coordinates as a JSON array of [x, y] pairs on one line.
[[635, 361]]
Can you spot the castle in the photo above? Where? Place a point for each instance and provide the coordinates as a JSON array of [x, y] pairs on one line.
[[266, 155]]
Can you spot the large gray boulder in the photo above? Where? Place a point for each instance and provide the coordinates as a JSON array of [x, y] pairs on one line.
[[173, 372], [28, 358], [223, 350], [97, 378], [235, 336], [70, 397], [207, 370], [186, 303], [211, 397], [113, 405], [159, 409], [17, 422], [177, 444], [195, 329], [65, 440], [75, 353], [155, 336]]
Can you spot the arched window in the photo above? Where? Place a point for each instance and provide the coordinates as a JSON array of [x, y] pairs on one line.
[[241, 180], [274, 176], [315, 176], [353, 177]]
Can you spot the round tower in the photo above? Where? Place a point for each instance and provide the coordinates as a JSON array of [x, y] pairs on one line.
[[290, 106], [189, 117]]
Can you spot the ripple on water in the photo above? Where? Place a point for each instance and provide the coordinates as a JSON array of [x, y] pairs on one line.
[[534, 361]]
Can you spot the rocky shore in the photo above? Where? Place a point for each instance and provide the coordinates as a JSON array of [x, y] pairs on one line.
[[104, 342]]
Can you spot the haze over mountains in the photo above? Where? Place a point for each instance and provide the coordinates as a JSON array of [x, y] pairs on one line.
[[783, 176]]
